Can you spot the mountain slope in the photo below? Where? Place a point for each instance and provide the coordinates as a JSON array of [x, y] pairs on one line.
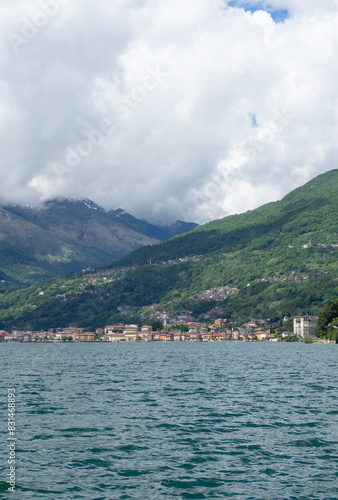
[[68, 235], [310, 211], [262, 259]]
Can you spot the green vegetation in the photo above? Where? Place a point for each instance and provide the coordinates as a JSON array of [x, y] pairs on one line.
[[67, 339], [327, 325], [259, 255], [292, 338]]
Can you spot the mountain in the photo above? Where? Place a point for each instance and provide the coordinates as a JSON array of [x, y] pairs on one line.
[[63, 236], [307, 212], [278, 260]]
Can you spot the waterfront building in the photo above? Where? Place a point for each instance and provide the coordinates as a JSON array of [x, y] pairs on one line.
[[86, 337], [115, 337], [304, 325]]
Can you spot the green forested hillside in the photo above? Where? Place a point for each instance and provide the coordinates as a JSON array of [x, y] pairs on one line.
[[308, 212], [259, 255]]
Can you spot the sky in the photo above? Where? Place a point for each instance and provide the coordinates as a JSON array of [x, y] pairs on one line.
[[188, 109]]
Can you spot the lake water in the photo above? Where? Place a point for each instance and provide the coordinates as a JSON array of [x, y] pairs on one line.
[[172, 421]]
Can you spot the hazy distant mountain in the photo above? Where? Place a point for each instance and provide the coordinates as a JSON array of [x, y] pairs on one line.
[[68, 235]]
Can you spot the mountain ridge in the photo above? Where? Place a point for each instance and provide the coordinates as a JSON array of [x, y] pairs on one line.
[[314, 196], [65, 235]]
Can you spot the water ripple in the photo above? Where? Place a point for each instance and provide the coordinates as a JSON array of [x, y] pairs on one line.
[[189, 421]]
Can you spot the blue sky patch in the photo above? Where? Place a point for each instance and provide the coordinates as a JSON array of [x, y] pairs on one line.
[[253, 120], [278, 16]]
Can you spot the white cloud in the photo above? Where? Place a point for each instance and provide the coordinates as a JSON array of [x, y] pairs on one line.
[[166, 96]]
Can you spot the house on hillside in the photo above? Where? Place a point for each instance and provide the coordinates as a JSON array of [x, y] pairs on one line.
[[220, 322], [250, 325]]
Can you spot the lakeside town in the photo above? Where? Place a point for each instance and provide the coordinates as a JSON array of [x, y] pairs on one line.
[[251, 331]]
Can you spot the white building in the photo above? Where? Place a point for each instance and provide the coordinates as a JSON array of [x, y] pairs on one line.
[[304, 325]]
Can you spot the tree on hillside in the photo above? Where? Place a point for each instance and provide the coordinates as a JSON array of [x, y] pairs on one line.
[[327, 325], [156, 325]]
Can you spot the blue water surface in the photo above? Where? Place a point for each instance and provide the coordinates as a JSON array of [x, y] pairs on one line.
[[172, 421]]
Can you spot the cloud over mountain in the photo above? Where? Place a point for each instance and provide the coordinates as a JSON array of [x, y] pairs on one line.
[[169, 111]]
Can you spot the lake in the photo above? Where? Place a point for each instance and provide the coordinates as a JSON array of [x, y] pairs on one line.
[[172, 420]]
